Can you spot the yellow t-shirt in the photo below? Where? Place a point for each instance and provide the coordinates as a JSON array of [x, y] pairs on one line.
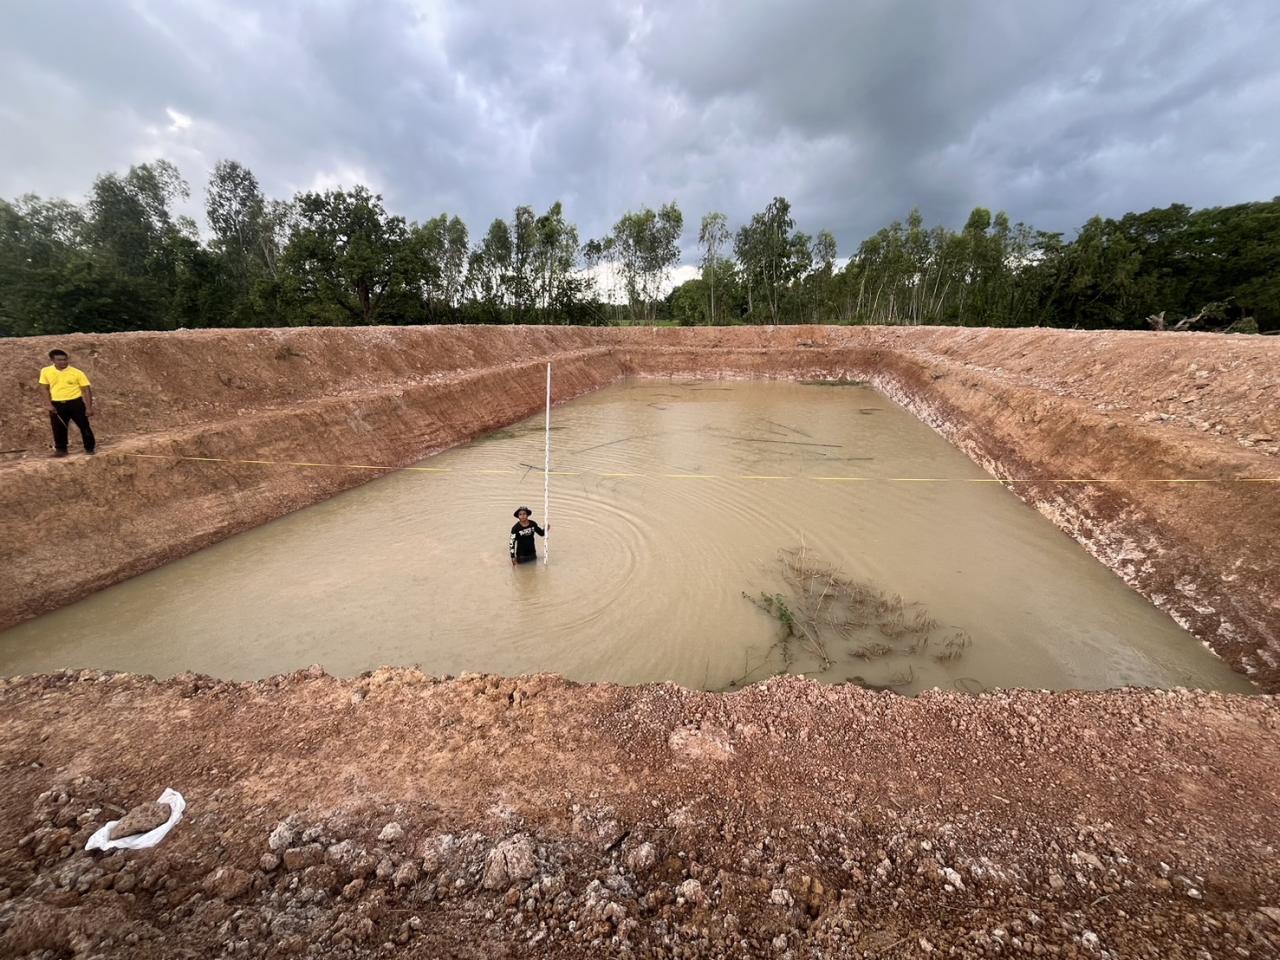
[[63, 384]]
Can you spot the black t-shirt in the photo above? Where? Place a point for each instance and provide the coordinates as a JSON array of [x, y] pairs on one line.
[[522, 543]]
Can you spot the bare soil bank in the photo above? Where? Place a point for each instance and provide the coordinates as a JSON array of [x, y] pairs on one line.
[[1026, 404], [490, 817]]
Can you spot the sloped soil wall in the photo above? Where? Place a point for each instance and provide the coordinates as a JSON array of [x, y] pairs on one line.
[[1036, 406]]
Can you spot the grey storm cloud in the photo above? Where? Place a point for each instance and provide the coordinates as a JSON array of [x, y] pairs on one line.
[[855, 111]]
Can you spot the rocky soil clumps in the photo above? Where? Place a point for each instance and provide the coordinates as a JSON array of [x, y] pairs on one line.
[[443, 819]]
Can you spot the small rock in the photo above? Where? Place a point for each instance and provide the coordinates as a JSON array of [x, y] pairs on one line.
[[227, 883], [954, 879], [299, 858], [642, 858], [701, 743], [691, 890], [391, 833], [268, 862], [342, 854], [601, 829], [925, 945], [113, 863], [142, 818], [364, 865], [124, 883], [322, 878], [1056, 882], [512, 859], [353, 889], [284, 835], [1083, 856], [406, 874], [437, 852], [1271, 913], [781, 896]]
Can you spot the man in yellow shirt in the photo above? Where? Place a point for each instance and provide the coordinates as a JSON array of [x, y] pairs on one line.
[[69, 397]]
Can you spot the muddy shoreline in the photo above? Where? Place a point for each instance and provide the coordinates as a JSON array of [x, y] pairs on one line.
[[397, 814]]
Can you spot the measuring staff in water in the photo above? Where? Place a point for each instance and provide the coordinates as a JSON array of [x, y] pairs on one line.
[[523, 549]]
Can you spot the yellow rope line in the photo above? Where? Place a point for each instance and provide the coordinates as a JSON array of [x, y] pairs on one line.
[[706, 476]]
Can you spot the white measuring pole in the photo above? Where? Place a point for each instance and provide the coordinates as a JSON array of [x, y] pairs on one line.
[[546, 480]]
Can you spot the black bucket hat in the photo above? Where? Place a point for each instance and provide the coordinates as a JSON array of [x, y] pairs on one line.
[[520, 510]]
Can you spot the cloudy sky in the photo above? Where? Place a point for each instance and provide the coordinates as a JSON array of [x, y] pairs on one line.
[[855, 110]]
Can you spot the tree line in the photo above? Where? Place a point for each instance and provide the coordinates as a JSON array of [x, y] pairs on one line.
[[1170, 268], [124, 259]]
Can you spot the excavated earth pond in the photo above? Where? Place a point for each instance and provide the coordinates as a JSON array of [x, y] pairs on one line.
[[706, 533], [399, 814]]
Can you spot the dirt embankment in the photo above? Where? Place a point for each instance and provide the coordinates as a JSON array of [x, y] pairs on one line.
[[1029, 405], [490, 817], [395, 814]]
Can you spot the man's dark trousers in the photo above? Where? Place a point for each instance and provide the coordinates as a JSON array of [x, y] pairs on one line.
[[70, 411]]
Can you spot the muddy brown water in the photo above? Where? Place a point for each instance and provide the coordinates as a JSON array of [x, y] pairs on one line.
[[692, 525]]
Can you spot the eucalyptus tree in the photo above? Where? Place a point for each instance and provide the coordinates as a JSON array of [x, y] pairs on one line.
[[643, 247], [821, 279], [235, 209], [489, 268], [768, 254], [443, 248], [557, 285], [130, 220], [713, 234]]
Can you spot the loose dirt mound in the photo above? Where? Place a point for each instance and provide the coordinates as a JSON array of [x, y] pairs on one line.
[[488, 817]]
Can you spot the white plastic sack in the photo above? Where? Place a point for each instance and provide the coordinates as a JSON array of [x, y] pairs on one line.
[[140, 841]]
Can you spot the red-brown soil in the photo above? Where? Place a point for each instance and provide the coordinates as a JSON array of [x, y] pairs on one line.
[[789, 819], [400, 815]]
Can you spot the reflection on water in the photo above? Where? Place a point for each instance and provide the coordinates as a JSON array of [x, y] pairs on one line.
[[683, 498]]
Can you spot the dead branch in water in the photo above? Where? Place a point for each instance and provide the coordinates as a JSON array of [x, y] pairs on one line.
[[793, 443], [954, 646], [783, 426], [827, 616]]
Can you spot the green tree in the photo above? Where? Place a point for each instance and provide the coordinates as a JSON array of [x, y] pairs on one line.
[[557, 284], [488, 269], [712, 236], [248, 236], [770, 256], [821, 278], [344, 254], [134, 236], [644, 247]]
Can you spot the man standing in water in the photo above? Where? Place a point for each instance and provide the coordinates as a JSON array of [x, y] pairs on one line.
[[523, 549], [69, 398]]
